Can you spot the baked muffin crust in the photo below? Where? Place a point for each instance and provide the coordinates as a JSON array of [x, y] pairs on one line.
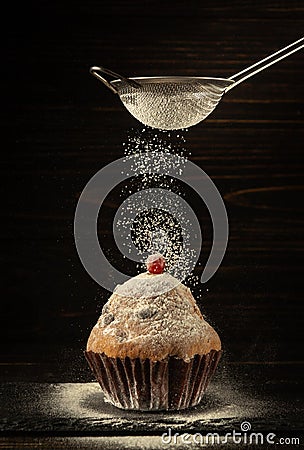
[[152, 316]]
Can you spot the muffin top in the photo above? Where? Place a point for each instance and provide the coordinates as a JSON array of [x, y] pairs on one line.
[[152, 315]]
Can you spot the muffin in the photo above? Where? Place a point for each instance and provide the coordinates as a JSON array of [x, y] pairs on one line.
[[151, 348]]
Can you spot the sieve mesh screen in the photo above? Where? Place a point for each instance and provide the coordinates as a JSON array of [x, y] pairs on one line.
[[171, 104]]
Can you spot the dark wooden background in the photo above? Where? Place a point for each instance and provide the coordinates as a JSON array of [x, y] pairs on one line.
[[60, 126]]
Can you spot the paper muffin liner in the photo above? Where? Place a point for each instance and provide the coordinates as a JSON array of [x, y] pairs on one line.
[[153, 385]]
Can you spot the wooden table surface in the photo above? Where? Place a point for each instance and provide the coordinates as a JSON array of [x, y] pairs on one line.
[[62, 126]]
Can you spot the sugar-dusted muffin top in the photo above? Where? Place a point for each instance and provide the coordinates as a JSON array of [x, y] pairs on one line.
[[152, 316]]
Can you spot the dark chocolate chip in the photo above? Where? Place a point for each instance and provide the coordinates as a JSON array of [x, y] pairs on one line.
[[107, 319], [121, 335], [146, 313]]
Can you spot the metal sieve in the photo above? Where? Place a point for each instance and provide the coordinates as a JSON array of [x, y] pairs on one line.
[[171, 103]]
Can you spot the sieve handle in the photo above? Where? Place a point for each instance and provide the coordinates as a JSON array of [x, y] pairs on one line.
[[264, 63], [94, 70]]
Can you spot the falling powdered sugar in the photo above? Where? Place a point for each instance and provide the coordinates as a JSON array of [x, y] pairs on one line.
[[155, 217]]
